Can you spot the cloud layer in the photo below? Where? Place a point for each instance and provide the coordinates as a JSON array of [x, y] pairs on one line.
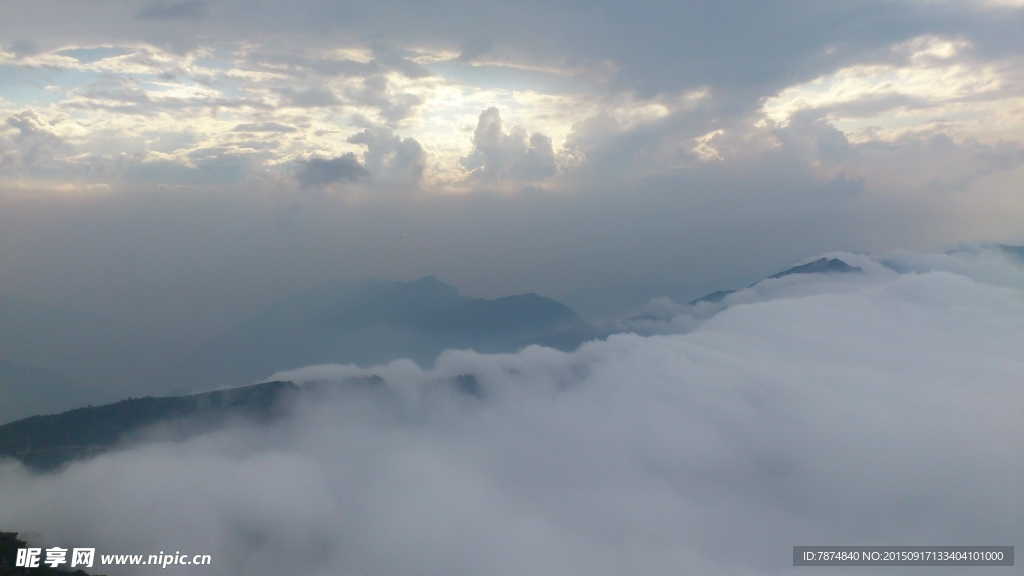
[[877, 408], [159, 92]]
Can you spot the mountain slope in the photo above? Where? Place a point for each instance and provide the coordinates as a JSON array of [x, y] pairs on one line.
[[819, 266], [45, 442], [373, 322]]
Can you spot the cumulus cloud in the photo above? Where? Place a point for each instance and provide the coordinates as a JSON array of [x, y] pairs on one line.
[[36, 138], [389, 158], [876, 408], [515, 155], [921, 84], [40, 145], [324, 171], [138, 96]]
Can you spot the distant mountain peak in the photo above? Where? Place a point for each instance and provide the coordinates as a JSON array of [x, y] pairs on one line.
[[429, 279], [373, 322], [820, 266]]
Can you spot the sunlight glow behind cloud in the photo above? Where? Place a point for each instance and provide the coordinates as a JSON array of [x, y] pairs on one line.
[[930, 90], [116, 114]]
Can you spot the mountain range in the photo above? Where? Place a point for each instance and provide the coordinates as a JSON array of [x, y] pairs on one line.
[[366, 323], [370, 323]]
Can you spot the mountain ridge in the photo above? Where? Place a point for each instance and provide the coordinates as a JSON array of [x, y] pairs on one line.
[[368, 323], [47, 441], [819, 266]]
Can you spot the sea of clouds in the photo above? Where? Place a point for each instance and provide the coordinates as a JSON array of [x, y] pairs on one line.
[[875, 408]]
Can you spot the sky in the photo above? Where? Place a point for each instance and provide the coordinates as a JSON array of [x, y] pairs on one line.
[[872, 408], [180, 164]]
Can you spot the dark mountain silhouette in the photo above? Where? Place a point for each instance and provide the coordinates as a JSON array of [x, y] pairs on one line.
[[46, 442], [823, 265], [820, 266], [374, 322]]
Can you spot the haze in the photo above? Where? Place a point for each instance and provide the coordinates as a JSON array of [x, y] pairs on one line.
[[170, 171]]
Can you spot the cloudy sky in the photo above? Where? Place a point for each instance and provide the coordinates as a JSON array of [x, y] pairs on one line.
[[174, 166]]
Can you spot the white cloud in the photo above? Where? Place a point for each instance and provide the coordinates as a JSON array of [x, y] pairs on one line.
[[930, 84], [133, 101], [880, 408], [704, 148], [390, 158], [35, 136], [514, 155]]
